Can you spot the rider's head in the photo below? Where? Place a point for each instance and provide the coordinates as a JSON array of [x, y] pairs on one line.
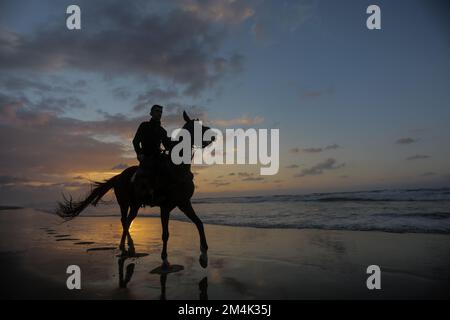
[[156, 112]]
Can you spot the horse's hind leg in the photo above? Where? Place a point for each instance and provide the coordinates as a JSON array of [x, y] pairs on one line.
[[165, 212], [190, 213]]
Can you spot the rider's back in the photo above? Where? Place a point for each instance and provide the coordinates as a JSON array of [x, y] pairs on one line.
[[148, 138]]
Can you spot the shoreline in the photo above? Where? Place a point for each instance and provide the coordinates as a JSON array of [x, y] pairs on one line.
[[186, 220], [244, 262]]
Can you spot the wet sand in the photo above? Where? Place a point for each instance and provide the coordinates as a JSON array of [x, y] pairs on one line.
[[244, 263]]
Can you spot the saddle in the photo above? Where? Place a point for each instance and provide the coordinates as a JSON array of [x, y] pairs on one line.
[[154, 178]]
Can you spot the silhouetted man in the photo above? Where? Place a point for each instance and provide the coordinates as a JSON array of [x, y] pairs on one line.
[[147, 144]]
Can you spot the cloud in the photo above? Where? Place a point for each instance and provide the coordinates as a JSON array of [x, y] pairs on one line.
[[43, 85], [225, 11], [247, 176], [253, 179], [418, 157], [406, 141], [318, 150], [15, 83], [242, 121], [13, 112], [329, 164], [121, 93], [428, 174], [272, 18], [154, 96], [332, 147], [59, 105], [178, 45], [120, 166], [312, 150], [11, 180], [219, 183], [36, 142]]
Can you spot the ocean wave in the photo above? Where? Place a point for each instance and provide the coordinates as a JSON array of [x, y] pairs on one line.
[[405, 195], [398, 211], [431, 215], [436, 222]]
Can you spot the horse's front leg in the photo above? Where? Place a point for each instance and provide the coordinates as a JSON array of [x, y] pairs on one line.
[[165, 213], [190, 213], [131, 216], [124, 213]]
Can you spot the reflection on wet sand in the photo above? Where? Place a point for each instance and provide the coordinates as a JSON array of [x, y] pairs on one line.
[[163, 270], [246, 263], [202, 286], [123, 281], [124, 255]]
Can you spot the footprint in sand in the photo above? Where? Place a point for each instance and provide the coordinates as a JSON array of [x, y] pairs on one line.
[[101, 249], [84, 242], [132, 255], [67, 239]]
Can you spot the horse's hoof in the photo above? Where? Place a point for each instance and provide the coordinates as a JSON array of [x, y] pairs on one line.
[[203, 259]]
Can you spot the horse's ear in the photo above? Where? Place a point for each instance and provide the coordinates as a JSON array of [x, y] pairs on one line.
[[186, 117]]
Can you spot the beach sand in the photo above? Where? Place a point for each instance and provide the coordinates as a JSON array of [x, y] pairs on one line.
[[244, 263]]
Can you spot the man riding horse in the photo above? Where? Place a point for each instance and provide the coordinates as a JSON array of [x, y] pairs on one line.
[[153, 173], [177, 194]]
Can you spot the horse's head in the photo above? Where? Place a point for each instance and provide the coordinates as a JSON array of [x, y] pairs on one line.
[[190, 125]]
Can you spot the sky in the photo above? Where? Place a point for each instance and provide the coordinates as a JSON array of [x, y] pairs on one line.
[[356, 109]]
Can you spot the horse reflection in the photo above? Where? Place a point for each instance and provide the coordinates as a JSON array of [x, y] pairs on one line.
[[124, 255], [202, 286], [123, 281], [130, 252]]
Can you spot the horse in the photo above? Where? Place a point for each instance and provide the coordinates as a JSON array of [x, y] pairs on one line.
[[129, 202]]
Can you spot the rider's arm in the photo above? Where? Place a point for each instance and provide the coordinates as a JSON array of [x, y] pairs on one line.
[[166, 141], [137, 140]]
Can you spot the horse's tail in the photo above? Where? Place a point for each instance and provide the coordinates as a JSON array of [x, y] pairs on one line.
[[69, 209]]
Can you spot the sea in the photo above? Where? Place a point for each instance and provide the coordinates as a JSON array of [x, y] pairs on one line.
[[398, 211]]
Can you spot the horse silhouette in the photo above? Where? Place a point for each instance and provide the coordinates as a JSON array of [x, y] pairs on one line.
[[179, 195]]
